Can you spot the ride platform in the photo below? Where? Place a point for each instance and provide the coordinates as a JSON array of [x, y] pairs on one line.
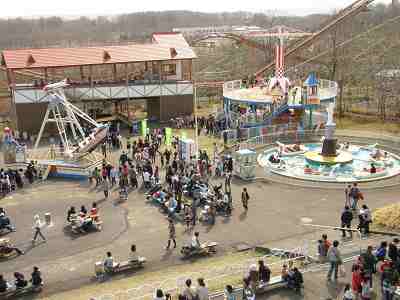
[[316, 157], [59, 167]]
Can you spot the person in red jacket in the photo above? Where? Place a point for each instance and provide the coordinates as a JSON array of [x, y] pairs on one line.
[[356, 280]]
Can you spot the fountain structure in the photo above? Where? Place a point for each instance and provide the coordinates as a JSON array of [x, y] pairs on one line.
[[331, 161], [329, 154]]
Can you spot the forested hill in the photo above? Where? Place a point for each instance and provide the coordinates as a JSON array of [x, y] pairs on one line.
[[39, 32]]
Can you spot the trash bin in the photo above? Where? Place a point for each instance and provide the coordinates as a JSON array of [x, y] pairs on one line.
[[47, 218]]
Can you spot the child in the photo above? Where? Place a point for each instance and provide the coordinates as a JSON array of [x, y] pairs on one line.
[[348, 294], [365, 289]]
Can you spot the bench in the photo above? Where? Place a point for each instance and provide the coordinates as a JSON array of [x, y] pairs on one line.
[[274, 283], [12, 292], [123, 266], [211, 246], [127, 265]]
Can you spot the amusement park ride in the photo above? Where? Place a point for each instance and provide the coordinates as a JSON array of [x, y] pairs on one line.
[[247, 106], [66, 117], [78, 133]]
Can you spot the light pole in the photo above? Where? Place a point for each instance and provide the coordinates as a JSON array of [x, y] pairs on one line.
[[196, 135]]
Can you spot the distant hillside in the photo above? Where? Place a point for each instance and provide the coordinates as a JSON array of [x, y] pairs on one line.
[[39, 32]]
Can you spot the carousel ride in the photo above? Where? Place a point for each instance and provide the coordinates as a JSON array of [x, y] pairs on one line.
[[253, 106], [78, 136], [329, 161], [263, 100]]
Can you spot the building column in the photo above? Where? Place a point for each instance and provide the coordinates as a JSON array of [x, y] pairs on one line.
[[13, 112], [46, 75], [82, 73], [114, 71]]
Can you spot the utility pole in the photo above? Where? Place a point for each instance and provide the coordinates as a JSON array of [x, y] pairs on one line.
[[196, 130]]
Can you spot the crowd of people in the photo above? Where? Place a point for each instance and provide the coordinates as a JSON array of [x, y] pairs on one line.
[[19, 281], [84, 220], [10, 180], [256, 277], [146, 158], [382, 261]]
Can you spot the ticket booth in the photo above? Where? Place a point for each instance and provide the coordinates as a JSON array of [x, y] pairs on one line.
[[245, 162], [186, 149]]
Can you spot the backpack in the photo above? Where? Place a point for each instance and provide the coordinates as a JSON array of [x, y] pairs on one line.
[[327, 245], [380, 253]]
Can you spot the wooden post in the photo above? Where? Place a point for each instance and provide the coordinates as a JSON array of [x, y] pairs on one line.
[[190, 69], [10, 78], [14, 116], [46, 75], [126, 74], [114, 70], [91, 76]]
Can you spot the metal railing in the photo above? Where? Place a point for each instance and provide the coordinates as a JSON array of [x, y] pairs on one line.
[[327, 89], [230, 274], [265, 134]]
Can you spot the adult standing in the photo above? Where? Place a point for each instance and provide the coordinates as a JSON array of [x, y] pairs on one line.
[[189, 292], [356, 281], [172, 233], [215, 152], [393, 251], [355, 195], [202, 290], [37, 225], [347, 201], [245, 199], [106, 187], [346, 218], [228, 179], [368, 262], [194, 212], [366, 218], [334, 259]]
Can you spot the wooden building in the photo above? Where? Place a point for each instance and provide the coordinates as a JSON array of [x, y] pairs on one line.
[[104, 78]]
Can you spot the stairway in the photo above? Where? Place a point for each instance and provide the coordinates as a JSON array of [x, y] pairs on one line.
[[281, 109]]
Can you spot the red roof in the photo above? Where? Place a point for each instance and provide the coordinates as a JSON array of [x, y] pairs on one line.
[[165, 46]]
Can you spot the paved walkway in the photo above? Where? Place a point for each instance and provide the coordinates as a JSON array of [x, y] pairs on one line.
[[275, 218]]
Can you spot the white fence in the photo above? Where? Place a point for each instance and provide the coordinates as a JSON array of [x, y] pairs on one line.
[[327, 89], [219, 276], [267, 134]]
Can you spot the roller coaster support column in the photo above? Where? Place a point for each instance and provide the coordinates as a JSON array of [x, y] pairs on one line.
[[196, 128]]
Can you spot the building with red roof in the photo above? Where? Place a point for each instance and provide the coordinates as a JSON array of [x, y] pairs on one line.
[[105, 81]]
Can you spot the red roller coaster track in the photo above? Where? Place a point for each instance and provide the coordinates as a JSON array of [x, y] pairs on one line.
[[350, 11]]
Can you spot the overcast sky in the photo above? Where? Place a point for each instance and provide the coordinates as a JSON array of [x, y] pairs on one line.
[[28, 8]]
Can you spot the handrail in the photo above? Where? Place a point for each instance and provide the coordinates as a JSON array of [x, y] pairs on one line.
[[328, 89]]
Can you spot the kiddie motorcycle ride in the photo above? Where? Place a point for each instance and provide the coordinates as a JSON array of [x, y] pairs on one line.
[[7, 249], [205, 249]]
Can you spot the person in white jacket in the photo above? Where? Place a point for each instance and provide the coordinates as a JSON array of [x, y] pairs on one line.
[[348, 293], [37, 225]]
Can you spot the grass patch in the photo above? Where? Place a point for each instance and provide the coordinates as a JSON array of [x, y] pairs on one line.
[[387, 217], [368, 125]]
